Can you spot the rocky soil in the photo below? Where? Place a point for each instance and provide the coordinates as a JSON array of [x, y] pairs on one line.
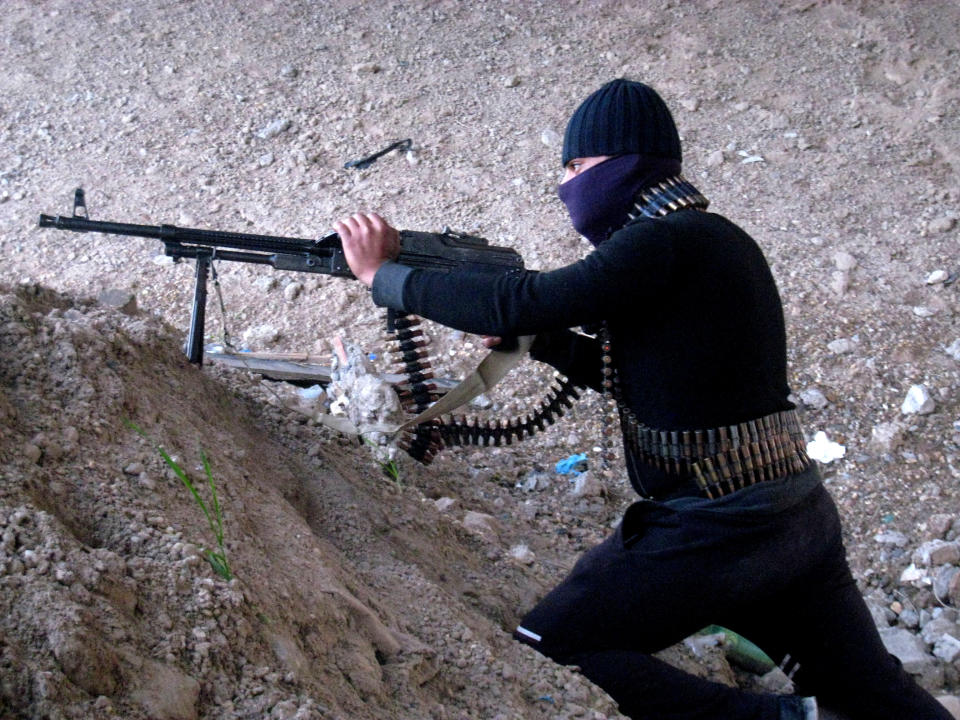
[[828, 130]]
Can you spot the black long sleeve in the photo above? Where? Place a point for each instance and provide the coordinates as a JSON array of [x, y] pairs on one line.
[[690, 304]]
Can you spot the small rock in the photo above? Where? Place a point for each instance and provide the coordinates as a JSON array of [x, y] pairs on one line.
[[293, 290], [953, 349], [715, 159], [482, 524], [912, 575], [813, 398], [840, 282], [918, 401], [512, 81], [265, 160], [841, 346], [445, 504], [273, 129], [123, 300], [939, 525], [261, 335], [942, 224], [166, 693], [86, 660], [887, 437], [910, 618], [844, 261], [289, 71], [944, 577], [882, 615], [522, 553], [947, 648], [366, 67], [134, 468], [909, 648], [537, 480], [891, 537], [266, 282], [937, 277], [953, 590], [935, 628], [63, 574], [32, 453], [586, 485], [936, 552], [550, 137]]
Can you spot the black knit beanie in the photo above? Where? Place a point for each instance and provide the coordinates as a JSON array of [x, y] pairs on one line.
[[622, 117]]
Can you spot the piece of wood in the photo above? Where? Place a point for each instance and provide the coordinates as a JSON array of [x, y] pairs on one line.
[[295, 371]]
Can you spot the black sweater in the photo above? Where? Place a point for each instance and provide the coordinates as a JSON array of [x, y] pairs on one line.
[[691, 306]]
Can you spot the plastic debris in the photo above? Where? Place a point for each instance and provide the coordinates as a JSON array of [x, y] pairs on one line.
[[369, 160], [573, 465], [311, 393], [823, 449]]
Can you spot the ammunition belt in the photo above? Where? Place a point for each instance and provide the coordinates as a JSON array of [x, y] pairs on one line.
[[725, 459], [409, 348], [675, 193]]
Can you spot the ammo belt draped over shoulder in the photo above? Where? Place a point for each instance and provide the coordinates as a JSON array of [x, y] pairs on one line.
[[725, 459]]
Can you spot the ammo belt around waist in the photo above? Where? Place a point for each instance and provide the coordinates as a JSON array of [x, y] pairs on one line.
[[725, 459]]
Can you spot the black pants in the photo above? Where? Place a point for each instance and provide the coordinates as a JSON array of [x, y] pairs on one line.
[[767, 562]]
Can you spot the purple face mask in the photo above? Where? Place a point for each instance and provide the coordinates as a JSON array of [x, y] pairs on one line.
[[599, 199]]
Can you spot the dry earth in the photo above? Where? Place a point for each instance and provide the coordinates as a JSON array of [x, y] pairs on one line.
[[828, 130]]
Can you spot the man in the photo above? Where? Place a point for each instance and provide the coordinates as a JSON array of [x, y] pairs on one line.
[[735, 527]]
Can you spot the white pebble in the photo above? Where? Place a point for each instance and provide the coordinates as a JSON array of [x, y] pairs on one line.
[[937, 277], [918, 401]]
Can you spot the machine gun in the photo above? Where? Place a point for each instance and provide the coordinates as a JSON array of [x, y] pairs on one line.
[[444, 251]]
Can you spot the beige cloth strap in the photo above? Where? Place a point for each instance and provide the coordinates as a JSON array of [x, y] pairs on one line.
[[491, 370]]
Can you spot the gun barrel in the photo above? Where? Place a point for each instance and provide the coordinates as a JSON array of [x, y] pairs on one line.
[[82, 224], [190, 236]]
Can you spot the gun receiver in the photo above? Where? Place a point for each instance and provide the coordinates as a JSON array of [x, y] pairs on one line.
[[444, 251]]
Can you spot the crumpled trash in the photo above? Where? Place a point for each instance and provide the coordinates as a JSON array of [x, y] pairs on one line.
[[823, 449], [573, 465], [311, 393]]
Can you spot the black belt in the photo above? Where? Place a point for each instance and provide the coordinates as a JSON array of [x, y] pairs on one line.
[[725, 459]]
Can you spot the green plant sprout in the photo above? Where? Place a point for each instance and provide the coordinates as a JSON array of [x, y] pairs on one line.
[[218, 560], [389, 467]]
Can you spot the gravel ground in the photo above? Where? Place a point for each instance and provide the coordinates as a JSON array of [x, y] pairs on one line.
[[828, 130]]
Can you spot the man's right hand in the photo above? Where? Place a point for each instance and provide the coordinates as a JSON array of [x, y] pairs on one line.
[[368, 242]]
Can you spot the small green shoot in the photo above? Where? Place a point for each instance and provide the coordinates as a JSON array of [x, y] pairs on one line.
[[389, 467], [218, 560]]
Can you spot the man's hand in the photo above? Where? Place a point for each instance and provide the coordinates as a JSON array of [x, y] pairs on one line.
[[368, 242]]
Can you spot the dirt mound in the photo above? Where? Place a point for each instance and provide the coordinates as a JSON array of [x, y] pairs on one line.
[[348, 593]]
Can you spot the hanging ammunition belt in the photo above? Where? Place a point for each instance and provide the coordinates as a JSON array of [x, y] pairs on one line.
[[422, 442]]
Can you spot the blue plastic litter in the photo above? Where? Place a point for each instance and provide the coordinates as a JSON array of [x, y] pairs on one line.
[[573, 465]]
